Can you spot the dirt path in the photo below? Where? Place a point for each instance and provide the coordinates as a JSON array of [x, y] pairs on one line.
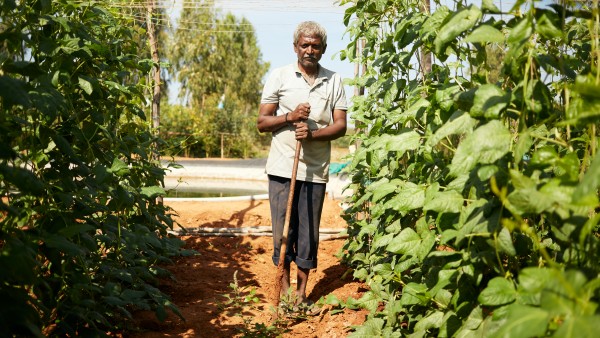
[[203, 281]]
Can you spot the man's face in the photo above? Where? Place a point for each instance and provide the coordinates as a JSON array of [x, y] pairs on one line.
[[309, 49]]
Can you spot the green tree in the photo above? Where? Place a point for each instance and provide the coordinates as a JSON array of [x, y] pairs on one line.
[[218, 63], [81, 233]]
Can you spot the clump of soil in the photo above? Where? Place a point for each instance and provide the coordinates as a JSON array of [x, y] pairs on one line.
[[204, 281]]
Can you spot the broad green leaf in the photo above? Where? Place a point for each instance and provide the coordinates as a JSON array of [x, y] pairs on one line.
[[522, 146], [115, 301], [119, 167], [485, 33], [76, 229], [16, 260], [578, 327], [445, 96], [432, 321], [474, 320], [520, 32], [372, 327], [443, 297], [534, 279], [585, 103], [530, 200], [384, 270], [449, 201], [490, 100], [412, 111], [415, 294], [444, 278], [23, 179], [408, 140], [458, 184], [86, 86], [459, 123], [544, 157], [382, 240], [63, 244], [537, 97], [409, 196], [527, 198], [499, 291], [433, 22], [587, 86], [14, 92], [406, 242], [405, 263], [152, 192], [332, 299], [485, 145], [505, 242], [161, 313], [477, 223], [460, 22], [567, 295], [583, 110], [428, 240], [485, 172], [588, 229], [360, 274], [488, 6], [464, 99], [561, 195], [370, 301], [568, 167], [524, 321], [131, 295], [590, 182], [546, 25]]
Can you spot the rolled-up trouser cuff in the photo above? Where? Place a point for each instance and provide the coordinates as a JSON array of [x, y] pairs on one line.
[[303, 263]]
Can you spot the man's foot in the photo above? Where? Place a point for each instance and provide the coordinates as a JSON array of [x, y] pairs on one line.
[[307, 307], [287, 304]]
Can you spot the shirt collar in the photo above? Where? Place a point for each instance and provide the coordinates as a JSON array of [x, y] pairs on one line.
[[319, 74]]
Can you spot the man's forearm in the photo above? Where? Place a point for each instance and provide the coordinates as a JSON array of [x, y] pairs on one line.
[[329, 133]]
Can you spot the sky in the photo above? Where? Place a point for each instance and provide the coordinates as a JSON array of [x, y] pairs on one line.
[[274, 22]]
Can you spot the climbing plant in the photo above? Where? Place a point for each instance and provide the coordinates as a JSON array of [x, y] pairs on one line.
[[474, 199], [82, 238]]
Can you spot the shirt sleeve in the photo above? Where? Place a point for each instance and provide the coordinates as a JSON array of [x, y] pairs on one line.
[[339, 94], [270, 93]]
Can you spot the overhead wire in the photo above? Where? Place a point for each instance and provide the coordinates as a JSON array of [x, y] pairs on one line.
[[252, 5], [173, 9], [172, 21]]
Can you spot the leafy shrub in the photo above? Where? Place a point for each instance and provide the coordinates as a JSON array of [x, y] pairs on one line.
[[82, 236], [475, 186]]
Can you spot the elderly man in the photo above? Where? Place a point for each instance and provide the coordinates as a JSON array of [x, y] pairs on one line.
[[306, 102]]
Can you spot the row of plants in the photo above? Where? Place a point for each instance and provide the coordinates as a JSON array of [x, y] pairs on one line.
[[474, 205], [82, 235]]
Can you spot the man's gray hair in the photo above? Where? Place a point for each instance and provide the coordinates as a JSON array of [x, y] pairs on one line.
[[308, 28]]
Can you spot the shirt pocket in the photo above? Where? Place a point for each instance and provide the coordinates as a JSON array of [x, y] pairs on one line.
[[320, 105], [321, 112]]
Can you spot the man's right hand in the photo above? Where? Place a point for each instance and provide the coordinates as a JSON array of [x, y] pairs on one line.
[[302, 131]]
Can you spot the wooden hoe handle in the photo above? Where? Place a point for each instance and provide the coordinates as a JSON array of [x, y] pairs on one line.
[[286, 228]]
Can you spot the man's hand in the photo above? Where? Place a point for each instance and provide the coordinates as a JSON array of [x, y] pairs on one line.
[[300, 113], [302, 131]]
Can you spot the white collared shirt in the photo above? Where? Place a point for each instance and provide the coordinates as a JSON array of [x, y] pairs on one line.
[[286, 87]]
